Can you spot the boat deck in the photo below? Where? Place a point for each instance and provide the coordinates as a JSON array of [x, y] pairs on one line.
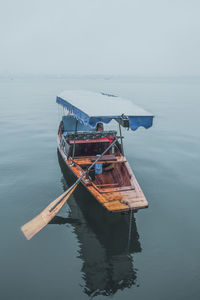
[[117, 190], [114, 195]]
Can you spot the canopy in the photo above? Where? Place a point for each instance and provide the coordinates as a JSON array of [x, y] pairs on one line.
[[91, 108]]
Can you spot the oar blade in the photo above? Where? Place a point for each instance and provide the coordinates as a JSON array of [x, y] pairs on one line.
[[40, 221], [33, 226]]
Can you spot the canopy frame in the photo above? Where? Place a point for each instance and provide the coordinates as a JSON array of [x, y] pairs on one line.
[[123, 111]]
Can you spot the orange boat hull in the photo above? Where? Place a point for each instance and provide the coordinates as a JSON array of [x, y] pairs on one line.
[[117, 190]]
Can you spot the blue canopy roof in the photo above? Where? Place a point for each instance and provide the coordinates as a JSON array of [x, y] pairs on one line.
[[91, 108]]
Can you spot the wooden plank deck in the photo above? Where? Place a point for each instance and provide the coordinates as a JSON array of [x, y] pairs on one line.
[[114, 198]]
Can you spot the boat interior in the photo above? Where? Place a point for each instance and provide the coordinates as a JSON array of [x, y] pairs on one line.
[[114, 171], [84, 151], [118, 176]]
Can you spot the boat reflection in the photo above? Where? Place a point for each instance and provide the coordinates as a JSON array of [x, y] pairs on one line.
[[106, 241]]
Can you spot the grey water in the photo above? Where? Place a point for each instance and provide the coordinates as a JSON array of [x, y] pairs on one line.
[[86, 253]]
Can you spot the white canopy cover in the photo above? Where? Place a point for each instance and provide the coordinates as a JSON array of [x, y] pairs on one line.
[[91, 108]]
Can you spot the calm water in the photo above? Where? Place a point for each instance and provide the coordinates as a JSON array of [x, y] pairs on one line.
[[85, 252]]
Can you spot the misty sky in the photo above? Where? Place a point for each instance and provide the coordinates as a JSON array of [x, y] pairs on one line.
[[133, 37]]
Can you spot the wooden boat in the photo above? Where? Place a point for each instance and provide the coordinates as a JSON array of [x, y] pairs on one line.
[[111, 181], [92, 233]]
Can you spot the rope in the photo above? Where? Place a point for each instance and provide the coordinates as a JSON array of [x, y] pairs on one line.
[[130, 226]]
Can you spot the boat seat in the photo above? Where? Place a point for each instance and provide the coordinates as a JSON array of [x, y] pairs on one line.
[[104, 158], [106, 185]]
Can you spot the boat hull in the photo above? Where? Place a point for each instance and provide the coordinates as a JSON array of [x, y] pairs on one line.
[[113, 199]]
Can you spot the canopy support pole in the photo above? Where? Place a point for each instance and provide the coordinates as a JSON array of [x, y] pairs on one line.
[[122, 146], [74, 139]]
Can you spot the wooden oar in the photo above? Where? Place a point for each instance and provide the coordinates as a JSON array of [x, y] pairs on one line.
[[41, 220]]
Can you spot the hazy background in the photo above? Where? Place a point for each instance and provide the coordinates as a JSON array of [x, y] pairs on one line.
[[116, 37], [156, 44]]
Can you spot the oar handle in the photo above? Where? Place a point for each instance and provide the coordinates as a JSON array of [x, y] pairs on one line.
[[79, 179]]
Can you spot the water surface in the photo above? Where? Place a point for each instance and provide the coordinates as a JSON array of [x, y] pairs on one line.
[[86, 252]]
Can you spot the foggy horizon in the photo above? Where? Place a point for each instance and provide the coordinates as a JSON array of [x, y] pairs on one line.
[[100, 38]]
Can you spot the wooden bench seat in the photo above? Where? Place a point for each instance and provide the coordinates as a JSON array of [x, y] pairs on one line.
[[80, 160], [104, 158]]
